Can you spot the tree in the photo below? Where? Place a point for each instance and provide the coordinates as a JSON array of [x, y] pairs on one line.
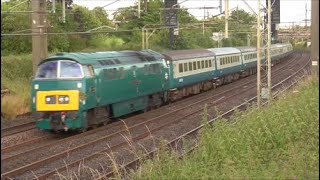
[[15, 23]]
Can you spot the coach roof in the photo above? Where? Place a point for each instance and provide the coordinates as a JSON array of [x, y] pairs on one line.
[[224, 50], [187, 54]]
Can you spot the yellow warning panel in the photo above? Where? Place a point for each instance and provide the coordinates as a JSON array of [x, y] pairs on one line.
[[64, 100]]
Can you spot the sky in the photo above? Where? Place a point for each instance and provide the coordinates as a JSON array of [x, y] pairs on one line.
[[290, 10]]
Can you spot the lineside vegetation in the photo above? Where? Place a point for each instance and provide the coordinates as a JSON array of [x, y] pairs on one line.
[[16, 74], [278, 142]]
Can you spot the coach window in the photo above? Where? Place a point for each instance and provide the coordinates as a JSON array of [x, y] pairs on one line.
[[210, 63], [202, 64], [190, 66], [194, 65], [185, 67], [206, 63], [180, 68], [198, 63]]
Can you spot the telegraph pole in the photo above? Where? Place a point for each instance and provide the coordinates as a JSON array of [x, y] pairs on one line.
[[268, 51], [139, 8], [39, 38], [226, 14], [258, 58], [315, 36], [63, 11]]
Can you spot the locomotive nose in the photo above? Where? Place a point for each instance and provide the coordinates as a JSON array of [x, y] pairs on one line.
[[67, 100]]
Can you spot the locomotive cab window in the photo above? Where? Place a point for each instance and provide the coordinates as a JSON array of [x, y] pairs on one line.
[[88, 71], [60, 69], [47, 70], [70, 69]]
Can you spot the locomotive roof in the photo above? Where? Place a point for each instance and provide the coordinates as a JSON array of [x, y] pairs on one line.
[[109, 57], [224, 50], [186, 54]]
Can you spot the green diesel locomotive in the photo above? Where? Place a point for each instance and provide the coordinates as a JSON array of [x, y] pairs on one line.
[[81, 90]]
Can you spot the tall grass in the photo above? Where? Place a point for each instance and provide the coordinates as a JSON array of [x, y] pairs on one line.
[[16, 73], [278, 142]]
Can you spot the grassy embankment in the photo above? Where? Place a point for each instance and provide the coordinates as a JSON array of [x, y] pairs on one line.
[[16, 72], [279, 142]]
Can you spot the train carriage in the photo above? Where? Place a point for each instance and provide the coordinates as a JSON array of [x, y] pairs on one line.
[[228, 64], [188, 67], [191, 71]]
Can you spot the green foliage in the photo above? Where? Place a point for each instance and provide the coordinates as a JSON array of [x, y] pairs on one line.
[[100, 41], [81, 19], [14, 23], [16, 73], [278, 142]]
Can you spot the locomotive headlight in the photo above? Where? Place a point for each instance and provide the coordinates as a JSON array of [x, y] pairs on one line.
[[50, 99], [63, 99]]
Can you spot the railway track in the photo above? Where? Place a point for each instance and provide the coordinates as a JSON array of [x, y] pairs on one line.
[[17, 129], [167, 119]]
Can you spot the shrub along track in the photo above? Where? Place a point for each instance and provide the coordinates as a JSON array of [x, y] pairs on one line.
[[90, 145]]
